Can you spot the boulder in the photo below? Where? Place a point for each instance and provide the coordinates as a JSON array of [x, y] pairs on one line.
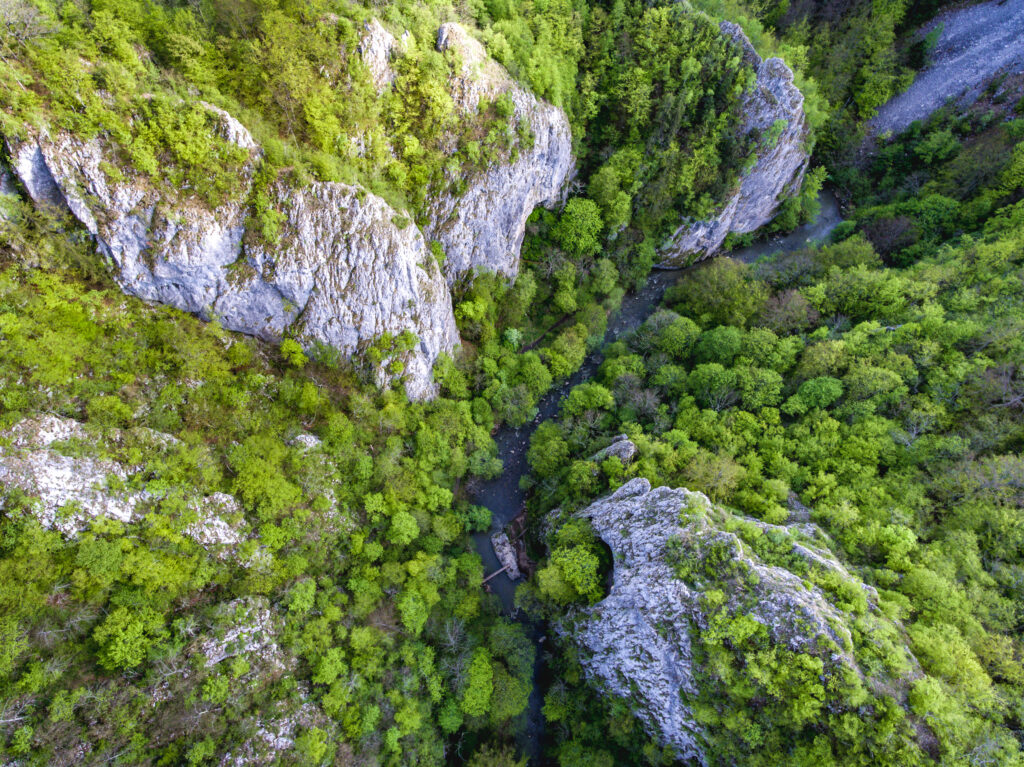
[[622, 447], [231, 130], [306, 441], [670, 548], [253, 625], [68, 492], [773, 115]]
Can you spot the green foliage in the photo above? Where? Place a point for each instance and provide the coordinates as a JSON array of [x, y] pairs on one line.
[[403, 529], [14, 644], [875, 379], [124, 637], [476, 698], [888, 414], [718, 292], [817, 392], [613, 185], [578, 228], [292, 352], [661, 84], [491, 756], [573, 575], [364, 525]]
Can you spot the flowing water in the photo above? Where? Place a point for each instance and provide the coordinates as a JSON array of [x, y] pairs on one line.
[[503, 496]]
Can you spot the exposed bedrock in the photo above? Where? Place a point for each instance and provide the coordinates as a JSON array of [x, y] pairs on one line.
[[344, 270], [774, 116], [670, 548]]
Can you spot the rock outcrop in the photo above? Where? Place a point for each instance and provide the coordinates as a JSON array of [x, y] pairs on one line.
[[252, 627], [483, 227], [774, 117], [640, 642], [345, 270], [66, 492], [376, 47]]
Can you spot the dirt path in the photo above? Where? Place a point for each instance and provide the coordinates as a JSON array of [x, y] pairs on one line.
[[976, 42]]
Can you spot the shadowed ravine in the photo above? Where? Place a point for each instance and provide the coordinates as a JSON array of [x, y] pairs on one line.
[[503, 496]]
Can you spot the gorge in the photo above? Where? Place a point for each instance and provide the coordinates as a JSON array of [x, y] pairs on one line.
[[510, 383]]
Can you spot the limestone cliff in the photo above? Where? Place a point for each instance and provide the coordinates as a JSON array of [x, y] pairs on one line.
[[642, 641], [484, 226], [774, 118], [344, 270]]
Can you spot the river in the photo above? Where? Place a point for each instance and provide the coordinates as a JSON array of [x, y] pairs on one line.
[[503, 496]]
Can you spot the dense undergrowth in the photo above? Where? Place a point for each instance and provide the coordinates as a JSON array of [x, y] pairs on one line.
[[347, 619], [358, 541]]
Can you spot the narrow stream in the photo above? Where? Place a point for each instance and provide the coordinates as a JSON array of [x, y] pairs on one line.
[[503, 496]]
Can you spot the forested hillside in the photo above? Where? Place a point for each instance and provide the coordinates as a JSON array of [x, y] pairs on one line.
[[871, 387], [228, 548]]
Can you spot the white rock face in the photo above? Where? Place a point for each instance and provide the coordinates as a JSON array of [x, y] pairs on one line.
[[70, 491], [342, 273], [44, 431], [483, 228], [637, 642], [231, 130], [307, 441], [779, 169], [212, 528], [165, 251]]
